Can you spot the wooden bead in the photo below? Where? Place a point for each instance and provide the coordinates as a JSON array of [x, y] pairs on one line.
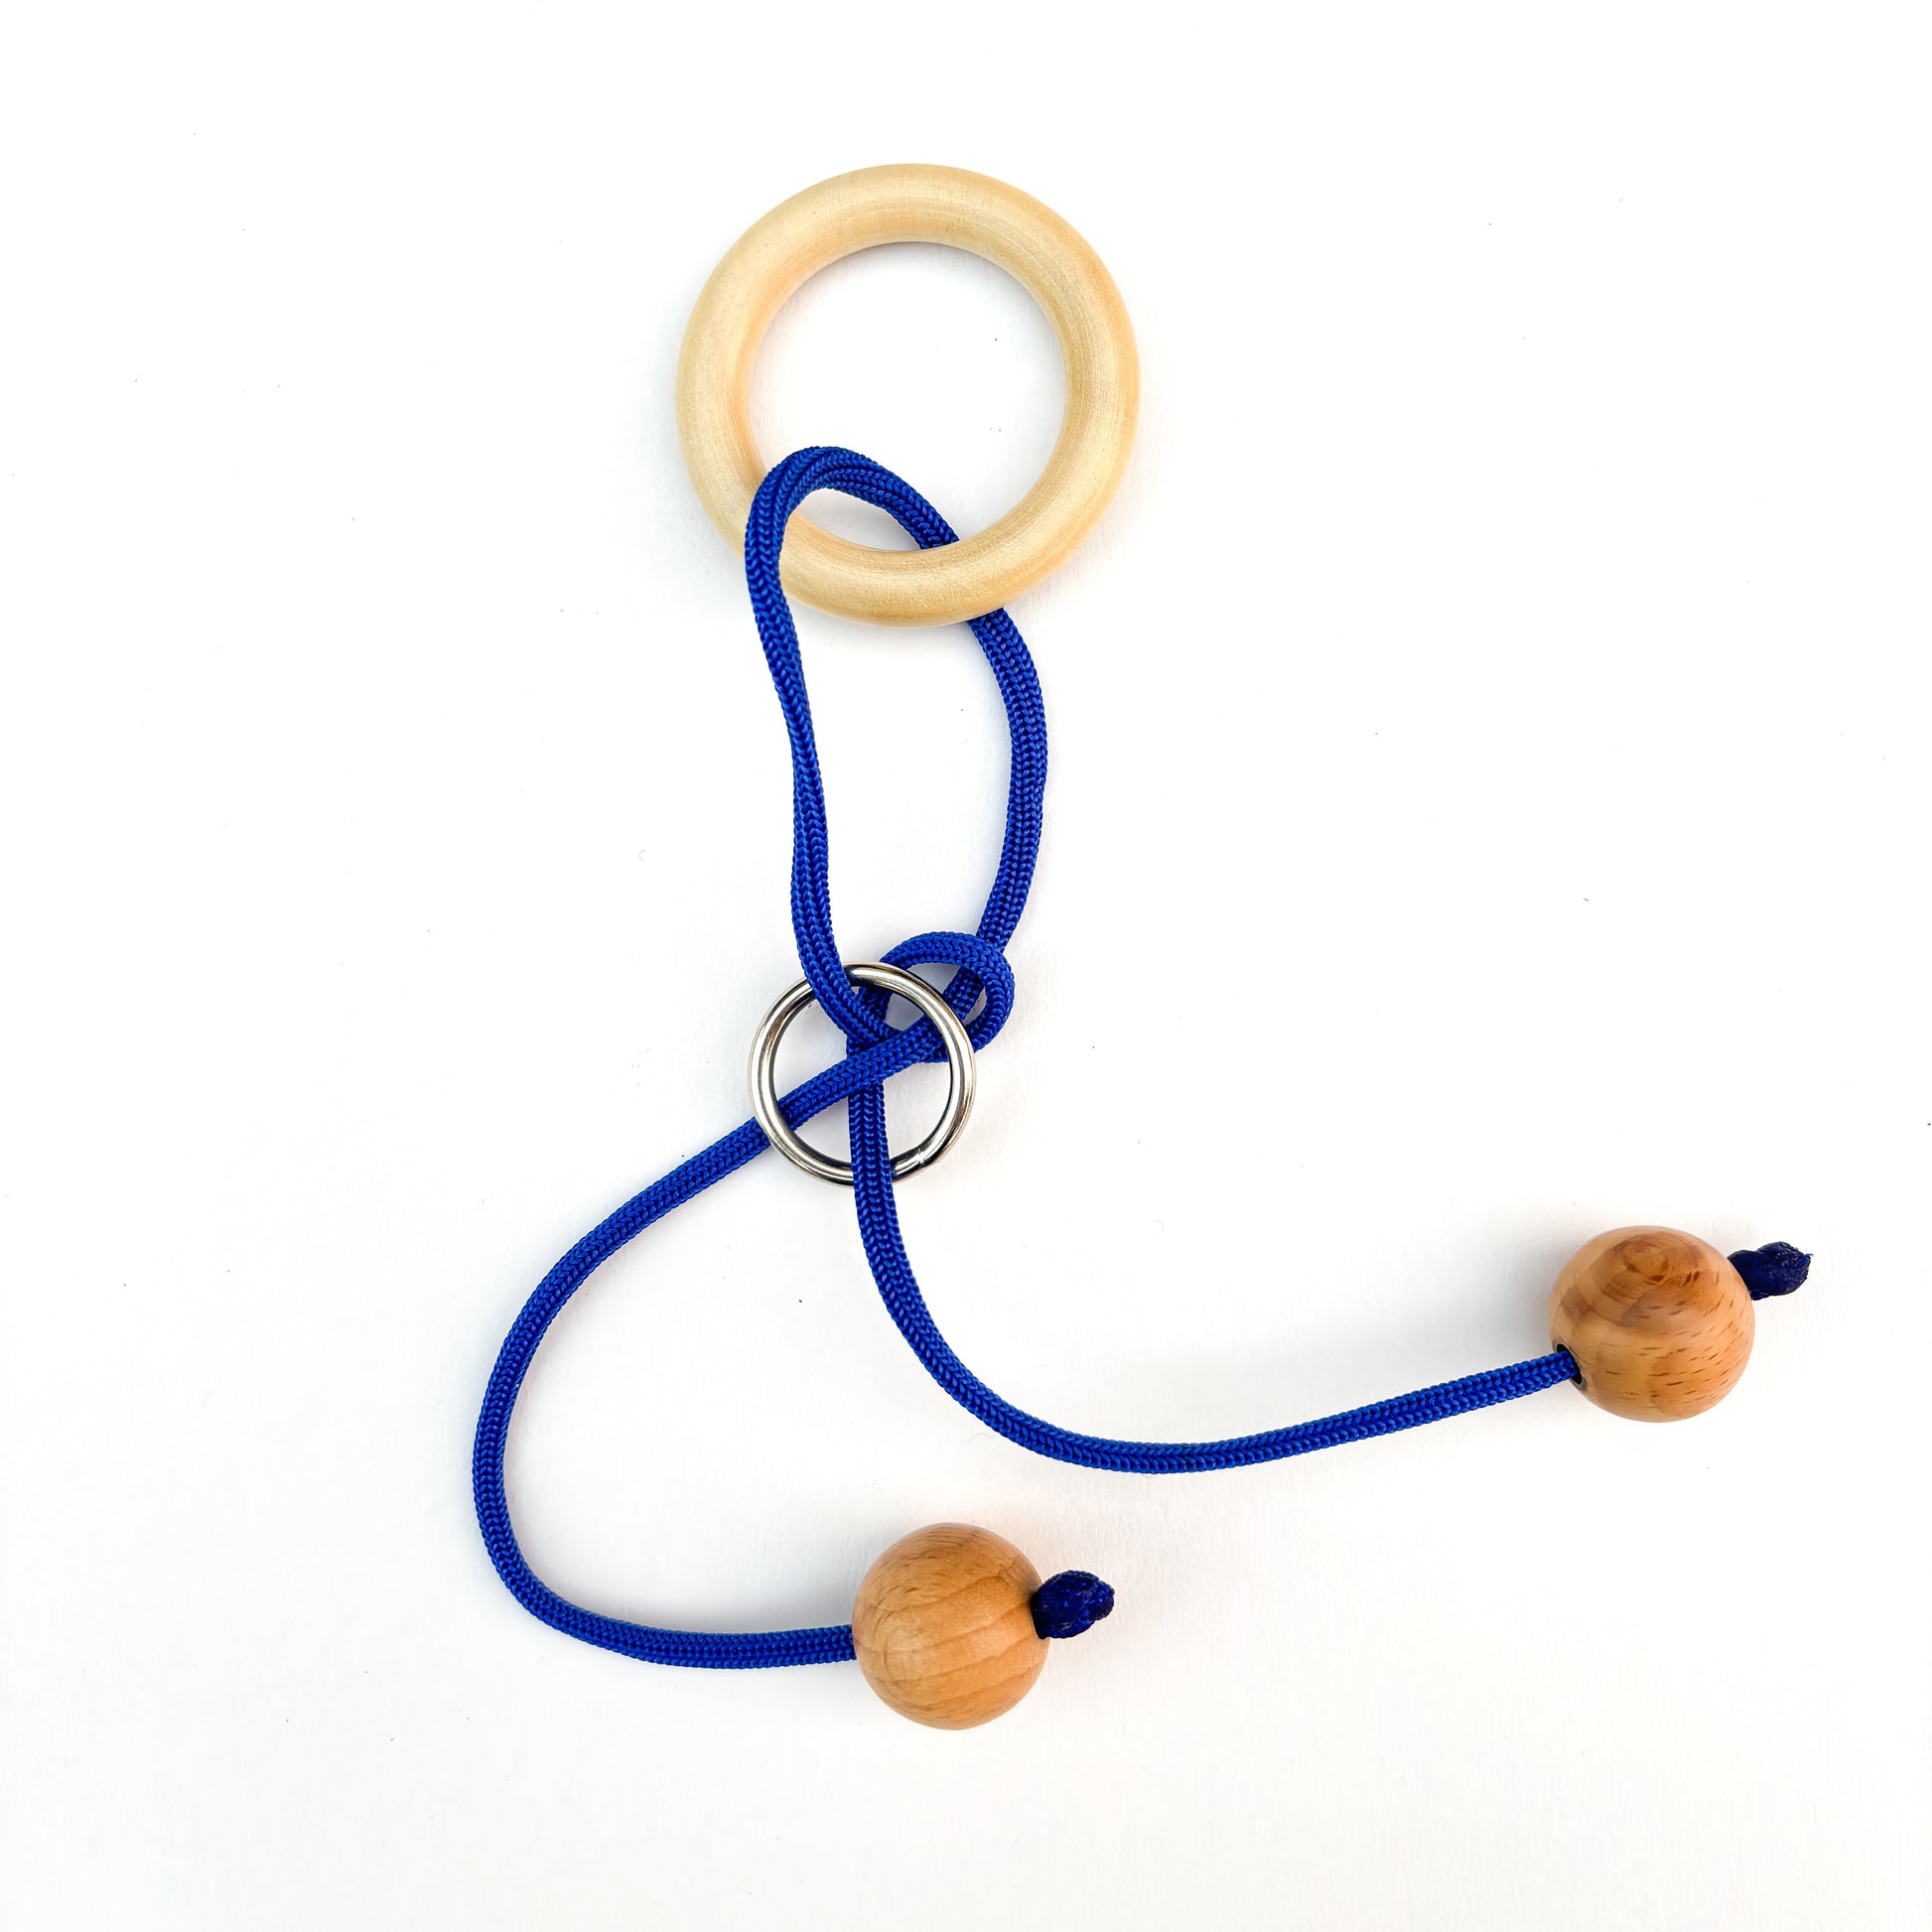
[[914, 202], [1660, 1323], [943, 1626]]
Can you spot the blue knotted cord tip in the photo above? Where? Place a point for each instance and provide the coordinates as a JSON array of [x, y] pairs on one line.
[[1775, 1268], [1072, 1602]]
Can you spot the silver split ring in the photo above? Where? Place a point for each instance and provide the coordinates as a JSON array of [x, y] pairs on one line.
[[888, 979]]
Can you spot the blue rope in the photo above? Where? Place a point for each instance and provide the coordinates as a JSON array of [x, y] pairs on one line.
[[874, 1053]]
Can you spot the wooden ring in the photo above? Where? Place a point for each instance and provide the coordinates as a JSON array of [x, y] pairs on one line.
[[867, 210]]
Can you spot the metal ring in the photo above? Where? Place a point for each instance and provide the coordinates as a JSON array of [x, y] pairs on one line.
[[958, 209], [889, 979]]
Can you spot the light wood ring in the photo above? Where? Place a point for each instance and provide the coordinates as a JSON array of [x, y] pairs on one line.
[[867, 210]]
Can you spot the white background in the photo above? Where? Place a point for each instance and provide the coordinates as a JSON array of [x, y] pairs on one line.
[[1489, 804]]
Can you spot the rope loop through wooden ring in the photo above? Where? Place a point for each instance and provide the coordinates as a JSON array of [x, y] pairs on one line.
[[957, 209]]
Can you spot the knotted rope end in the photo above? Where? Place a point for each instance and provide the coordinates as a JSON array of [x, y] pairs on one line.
[[1774, 1269], [1072, 1602]]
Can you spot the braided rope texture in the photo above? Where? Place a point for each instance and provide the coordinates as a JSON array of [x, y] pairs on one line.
[[982, 985]]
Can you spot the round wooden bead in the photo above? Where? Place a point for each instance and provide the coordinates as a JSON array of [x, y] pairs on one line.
[[943, 1626], [1659, 1322]]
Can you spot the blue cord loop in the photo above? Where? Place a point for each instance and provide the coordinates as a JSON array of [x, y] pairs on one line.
[[860, 1017], [1071, 1601]]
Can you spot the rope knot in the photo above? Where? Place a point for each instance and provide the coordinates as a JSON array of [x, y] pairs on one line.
[[1073, 1602], [1774, 1269]]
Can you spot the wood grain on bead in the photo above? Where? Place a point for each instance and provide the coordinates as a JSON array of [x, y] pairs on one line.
[[1660, 1323], [957, 209], [943, 1626]]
